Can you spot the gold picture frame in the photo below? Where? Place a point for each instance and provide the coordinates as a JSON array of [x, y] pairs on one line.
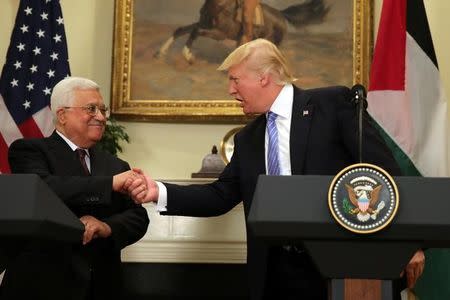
[[146, 87]]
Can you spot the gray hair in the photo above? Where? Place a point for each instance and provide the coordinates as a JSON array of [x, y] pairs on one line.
[[263, 57], [62, 94]]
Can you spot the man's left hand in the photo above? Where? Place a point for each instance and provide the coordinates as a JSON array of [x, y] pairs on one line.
[[94, 228], [414, 268]]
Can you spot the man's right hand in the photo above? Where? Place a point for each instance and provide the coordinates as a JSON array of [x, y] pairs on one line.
[[150, 195], [122, 181], [153, 190], [139, 186]]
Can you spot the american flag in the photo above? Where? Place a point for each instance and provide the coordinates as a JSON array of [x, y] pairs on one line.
[[36, 60]]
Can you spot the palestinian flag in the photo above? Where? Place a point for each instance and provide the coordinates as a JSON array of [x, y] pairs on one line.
[[405, 95], [407, 100]]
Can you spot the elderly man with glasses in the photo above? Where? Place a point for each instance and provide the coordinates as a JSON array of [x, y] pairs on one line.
[[98, 187]]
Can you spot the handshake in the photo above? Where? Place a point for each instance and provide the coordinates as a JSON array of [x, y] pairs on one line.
[[139, 186]]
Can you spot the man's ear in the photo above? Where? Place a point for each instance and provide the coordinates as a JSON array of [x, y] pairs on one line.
[[61, 116], [264, 79]]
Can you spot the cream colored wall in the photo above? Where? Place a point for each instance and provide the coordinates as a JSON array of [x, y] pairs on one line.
[[169, 151]]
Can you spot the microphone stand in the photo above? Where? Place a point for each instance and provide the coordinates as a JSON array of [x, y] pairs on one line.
[[360, 100], [360, 126]]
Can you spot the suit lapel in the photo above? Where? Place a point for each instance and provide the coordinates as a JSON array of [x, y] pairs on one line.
[[98, 165], [251, 147], [302, 113], [63, 154], [259, 146]]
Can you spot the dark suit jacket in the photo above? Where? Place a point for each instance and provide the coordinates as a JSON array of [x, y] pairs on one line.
[[322, 142], [51, 270]]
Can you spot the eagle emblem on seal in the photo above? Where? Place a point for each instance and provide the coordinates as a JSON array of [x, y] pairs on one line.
[[363, 198], [364, 193]]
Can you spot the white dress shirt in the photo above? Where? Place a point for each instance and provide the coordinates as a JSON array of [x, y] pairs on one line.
[[282, 106]]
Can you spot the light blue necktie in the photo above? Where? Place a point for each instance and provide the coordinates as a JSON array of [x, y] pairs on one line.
[[273, 163]]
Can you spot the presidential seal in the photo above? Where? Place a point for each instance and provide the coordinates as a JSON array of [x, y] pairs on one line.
[[363, 198]]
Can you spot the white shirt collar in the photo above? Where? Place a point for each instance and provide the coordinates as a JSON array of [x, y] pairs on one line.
[[282, 105], [70, 143]]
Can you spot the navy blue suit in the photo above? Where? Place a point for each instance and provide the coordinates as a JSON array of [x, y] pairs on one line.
[[323, 140]]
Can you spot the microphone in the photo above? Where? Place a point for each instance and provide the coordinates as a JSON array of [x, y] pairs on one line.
[[358, 93]]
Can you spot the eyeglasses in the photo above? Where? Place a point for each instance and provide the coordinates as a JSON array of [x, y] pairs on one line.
[[92, 109]]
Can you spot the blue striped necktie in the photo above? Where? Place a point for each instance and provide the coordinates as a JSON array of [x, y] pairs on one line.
[[273, 163]]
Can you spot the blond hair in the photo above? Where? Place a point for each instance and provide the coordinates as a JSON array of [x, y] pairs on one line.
[[262, 57]]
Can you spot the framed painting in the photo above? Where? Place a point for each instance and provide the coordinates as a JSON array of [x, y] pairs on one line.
[[166, 52]]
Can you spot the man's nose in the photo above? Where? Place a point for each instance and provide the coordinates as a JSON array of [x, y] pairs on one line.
[[99, 115], [231, 89]]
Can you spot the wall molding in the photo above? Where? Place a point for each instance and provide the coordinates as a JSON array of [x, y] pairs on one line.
[[175, 239], [186, 251]]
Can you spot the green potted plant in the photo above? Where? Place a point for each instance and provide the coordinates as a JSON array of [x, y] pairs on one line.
[[112, 137]]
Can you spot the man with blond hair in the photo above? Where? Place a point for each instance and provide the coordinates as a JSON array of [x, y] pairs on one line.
[[297, 132]]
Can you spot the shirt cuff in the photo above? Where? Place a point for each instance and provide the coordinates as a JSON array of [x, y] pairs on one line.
[[161, 205]]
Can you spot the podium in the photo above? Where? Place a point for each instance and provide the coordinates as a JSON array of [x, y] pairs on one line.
[[294, 210], [29, 210]]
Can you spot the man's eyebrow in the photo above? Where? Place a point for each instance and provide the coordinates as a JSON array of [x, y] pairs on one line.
[[231, 77]]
